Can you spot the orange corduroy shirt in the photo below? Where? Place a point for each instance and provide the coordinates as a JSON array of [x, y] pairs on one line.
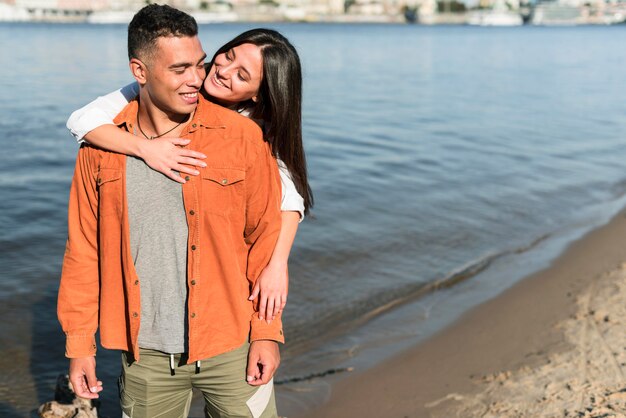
[[233, 215]]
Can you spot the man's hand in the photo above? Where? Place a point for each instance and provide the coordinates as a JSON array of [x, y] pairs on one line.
[[263, 360], [83, 377]]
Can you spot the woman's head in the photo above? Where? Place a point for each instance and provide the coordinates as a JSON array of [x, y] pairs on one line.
[[257, 69], [260, 70], [235, 75]]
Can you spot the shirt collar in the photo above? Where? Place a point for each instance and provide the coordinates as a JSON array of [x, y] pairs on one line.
[[205, 116]]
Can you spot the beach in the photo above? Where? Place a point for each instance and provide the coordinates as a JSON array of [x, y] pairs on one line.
[[551, 346], [440, 182]]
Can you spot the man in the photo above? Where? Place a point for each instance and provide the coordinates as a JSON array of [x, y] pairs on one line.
[[164, 270]]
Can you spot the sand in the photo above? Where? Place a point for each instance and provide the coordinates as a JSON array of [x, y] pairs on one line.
[[552, 346]]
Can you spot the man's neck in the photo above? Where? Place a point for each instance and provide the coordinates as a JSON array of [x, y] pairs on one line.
[[154, 121]]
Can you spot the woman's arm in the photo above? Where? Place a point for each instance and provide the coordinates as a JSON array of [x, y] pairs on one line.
[[101, 111], [94, 123], [164, 155], [291, 199], [273, 282]]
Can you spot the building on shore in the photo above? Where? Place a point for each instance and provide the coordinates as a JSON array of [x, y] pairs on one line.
[[486, 13]]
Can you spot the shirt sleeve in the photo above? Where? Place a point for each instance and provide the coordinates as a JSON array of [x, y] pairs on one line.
[[101, 111], [79, 291], [263, 221], [291, 200]]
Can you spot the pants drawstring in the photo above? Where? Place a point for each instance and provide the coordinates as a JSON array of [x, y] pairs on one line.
[[172, 370]]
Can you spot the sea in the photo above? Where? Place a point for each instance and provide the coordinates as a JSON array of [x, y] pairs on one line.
[[447, 163]]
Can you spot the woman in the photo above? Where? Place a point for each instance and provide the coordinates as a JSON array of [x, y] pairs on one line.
[[257, 74]]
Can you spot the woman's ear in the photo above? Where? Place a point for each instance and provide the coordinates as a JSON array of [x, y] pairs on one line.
[[255, 99], [139, 70]]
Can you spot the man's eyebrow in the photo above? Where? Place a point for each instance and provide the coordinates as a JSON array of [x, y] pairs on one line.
[[186, 64]]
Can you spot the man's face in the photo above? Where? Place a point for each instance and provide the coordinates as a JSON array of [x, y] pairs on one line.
[[175, 74]]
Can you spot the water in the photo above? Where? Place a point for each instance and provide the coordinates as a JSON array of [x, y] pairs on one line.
[[430, 149]]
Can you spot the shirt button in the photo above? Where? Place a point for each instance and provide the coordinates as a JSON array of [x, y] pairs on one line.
[[281, 333], [135, 314], [136, 282], [99, 180], [194, 125], [186, 178], [193, 282], [193, 315], [191, 212], [193, 248], [224, 181]]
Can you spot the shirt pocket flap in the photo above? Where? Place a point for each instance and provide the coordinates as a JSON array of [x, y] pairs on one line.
[[106, 175], [224, 176]]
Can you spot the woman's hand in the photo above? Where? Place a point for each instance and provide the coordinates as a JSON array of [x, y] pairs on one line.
[[167, 156], [271, 289]]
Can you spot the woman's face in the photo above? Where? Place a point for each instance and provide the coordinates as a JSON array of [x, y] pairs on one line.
[[235, 75]]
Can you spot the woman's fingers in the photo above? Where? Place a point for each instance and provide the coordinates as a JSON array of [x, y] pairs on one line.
[[176, 140], [262, 306], [269, 314], [172, 175], [181, 159], [185, 169], [255, 291]]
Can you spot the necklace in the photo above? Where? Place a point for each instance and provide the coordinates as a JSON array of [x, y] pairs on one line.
[[160, 135]]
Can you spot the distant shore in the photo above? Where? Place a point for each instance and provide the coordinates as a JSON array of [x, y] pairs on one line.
[[551, 346], [430, 13]]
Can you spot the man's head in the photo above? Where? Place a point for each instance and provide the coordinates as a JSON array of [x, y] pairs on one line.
[[166, 58]]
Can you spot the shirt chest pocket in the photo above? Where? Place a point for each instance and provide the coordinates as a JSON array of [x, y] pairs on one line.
[[223, 190], [109, 181]]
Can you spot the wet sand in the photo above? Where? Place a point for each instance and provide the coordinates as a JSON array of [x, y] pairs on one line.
[[551, 346]]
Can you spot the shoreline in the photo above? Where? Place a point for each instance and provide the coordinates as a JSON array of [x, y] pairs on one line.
[[521, 329]]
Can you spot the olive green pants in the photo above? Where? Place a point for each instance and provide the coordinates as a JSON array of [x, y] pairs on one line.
[[148, 389]]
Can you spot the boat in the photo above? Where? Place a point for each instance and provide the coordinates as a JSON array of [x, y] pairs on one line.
[[498, 15], [556, 13]]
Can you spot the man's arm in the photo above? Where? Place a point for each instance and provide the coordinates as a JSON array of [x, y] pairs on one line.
[[263, 219], [79, 291]]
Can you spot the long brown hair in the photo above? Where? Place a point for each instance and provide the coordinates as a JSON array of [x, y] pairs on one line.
[[279, 102]]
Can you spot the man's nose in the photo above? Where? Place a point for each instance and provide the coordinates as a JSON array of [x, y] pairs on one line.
[[197, 78]]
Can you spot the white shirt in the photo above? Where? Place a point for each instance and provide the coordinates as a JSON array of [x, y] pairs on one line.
[[104, 109]]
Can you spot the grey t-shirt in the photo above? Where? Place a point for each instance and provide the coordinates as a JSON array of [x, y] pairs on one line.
[[158, 243]]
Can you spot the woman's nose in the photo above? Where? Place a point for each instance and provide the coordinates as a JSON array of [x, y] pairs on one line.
[[224, 71]]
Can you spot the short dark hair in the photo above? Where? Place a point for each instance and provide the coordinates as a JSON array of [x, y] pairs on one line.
[[153, 22]]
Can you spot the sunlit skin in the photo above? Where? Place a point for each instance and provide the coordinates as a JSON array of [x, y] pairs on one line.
[[170, 81], [236, 75]]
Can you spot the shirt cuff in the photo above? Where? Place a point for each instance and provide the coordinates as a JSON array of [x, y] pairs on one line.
[[261, 330], [80, 345]]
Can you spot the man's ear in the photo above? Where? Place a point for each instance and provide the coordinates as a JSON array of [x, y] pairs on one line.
[[139, 70]]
